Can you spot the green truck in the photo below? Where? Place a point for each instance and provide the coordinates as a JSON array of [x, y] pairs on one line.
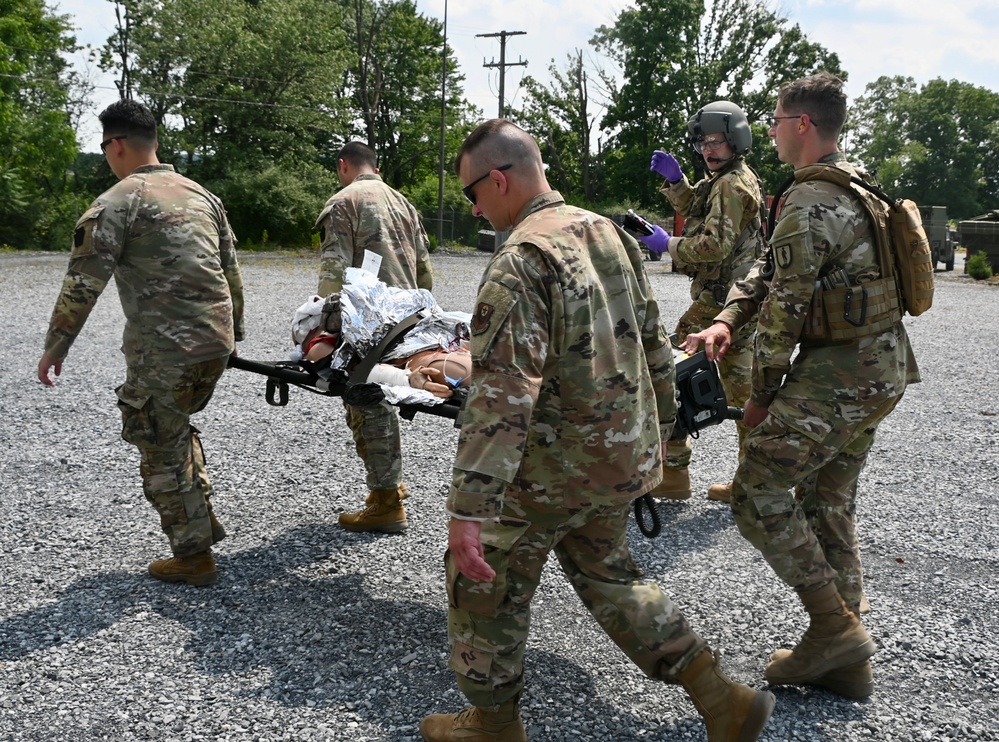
[[941, 237]]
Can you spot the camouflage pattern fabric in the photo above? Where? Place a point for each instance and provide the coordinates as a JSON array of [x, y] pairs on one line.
[[721, 232], [488, 622], [572, 394], [156, 405], [167, 242], [370, 215], [720, 243], [378, 443], [825, 405]]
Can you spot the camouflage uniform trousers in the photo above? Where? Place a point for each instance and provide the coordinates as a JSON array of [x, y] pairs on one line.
[[378, 443], [735, 371], [794, 496], [156, 403], [488, 623]]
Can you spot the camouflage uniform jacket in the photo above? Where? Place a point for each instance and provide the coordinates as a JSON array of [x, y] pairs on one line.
[[167, 242], [821, 228], [369, 215], [572, 379], [721, 236]]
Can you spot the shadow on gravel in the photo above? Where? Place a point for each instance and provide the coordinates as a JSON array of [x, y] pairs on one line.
[[85, 607], [680, 535], [283, 626]]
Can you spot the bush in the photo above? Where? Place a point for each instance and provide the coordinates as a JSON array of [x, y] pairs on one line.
[[979, 266]]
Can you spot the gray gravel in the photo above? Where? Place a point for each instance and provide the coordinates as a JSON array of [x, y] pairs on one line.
[[313, 633]]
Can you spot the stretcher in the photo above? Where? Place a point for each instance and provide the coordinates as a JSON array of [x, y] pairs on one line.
[[701, 401]]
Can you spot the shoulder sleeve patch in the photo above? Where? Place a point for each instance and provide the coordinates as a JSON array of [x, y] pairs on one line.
[[493, 305], [792, 242], [83, 234]]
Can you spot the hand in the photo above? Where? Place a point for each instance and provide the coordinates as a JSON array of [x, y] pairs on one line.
[[753, 414], [44, 365], [464, 539], [658, 241], [667, 166], [717, 339], [432, 380]]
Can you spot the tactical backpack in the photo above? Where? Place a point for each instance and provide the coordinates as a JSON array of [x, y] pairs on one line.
[[904, 252]]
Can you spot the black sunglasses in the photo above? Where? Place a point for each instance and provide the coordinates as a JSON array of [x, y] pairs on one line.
[[106, 142], [469, 190]]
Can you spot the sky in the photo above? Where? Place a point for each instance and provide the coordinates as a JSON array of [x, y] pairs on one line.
[[921, 39]]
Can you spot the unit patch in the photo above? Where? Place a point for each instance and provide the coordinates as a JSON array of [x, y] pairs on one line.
[[783, 256], [480, 319]]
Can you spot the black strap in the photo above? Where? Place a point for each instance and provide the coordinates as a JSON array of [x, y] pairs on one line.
[[649, 531], [359, 374]]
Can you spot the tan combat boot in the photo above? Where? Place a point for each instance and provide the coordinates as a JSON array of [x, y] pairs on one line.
[[852, 681], [720, 492], [476, 725], [732, 712], [675, 485], [835, 638], [197, 569], [384, 512], [865, 607]]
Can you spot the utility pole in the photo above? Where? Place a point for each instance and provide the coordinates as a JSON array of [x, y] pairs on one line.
[[440, 174], [502, 64]]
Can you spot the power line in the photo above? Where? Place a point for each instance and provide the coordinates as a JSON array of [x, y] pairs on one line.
[[502, 64], [186, 96]]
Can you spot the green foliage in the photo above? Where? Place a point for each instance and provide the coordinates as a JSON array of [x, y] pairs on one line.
[[678, 55], [393, 88], [37, 143], [560, 117], [979, 267], [275, 204], [937, 145]]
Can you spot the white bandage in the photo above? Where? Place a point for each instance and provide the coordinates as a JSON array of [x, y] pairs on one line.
[[383, 373]]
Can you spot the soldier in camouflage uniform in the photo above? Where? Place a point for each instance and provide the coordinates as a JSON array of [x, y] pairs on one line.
[[721, 240], [813, 419], [572, 395], [367, 216], [167, 242]]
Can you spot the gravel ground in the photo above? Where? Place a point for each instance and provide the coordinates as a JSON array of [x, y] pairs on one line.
[[313, 633]]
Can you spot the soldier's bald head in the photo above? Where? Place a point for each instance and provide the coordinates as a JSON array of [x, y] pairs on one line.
[[498, 142]]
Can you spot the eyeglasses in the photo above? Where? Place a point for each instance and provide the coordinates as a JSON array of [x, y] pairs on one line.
[[708, 144], [469, 190], [772, 120], [106, 142]]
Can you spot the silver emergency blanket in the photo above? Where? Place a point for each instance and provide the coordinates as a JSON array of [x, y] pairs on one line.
[[370, 309]]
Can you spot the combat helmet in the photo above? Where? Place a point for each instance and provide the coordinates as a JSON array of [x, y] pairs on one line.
[[725, 118]]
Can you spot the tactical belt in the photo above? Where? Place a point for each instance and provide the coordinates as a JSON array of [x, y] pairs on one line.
[[853, 312]]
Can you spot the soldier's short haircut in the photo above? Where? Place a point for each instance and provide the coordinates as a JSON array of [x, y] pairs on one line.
[[821, 96], [358, 154], [499, 140], [132, 119]]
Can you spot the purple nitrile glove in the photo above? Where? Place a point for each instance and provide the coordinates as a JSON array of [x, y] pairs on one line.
[[667, 166], [658, 241]]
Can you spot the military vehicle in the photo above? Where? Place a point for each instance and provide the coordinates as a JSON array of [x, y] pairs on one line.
[[981, 234], [939, 235]]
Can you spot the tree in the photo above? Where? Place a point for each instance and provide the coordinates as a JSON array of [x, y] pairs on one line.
[[561, 119], [256, 95], [936, 145], [392, 86], [675, 56], [37, 142]]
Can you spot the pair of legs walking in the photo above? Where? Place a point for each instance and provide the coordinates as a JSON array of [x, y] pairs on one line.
[[488, 623], [156, 404]]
